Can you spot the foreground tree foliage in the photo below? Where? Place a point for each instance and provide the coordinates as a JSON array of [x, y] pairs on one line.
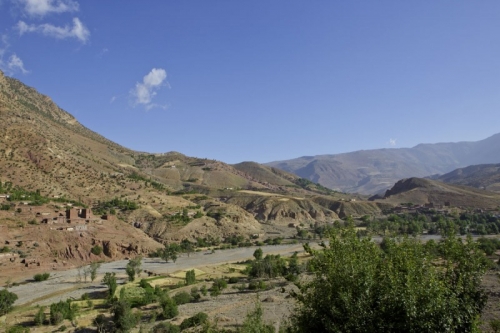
[[358, 287], [7, 299]]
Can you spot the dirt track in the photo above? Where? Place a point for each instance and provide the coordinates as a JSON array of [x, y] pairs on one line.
[[62, 285]]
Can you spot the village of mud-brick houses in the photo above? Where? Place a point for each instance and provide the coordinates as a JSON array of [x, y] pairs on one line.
[[60, 219]]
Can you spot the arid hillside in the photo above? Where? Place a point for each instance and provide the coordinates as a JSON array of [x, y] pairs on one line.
[[422, 191], [483, 176], [50, 161]]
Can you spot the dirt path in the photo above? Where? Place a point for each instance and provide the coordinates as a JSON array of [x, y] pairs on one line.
[[63, 284]]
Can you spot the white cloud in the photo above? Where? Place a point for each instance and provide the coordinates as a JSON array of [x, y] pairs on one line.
[[392, 142], [145, 91], [78, 30], [112, 99], [15, 63], [43, 7]]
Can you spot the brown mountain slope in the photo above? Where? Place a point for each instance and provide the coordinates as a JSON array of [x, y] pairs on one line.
[[484, 176], [45, 148], [421, 191]]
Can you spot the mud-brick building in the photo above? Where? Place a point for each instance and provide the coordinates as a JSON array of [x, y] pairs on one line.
[[75, 215]]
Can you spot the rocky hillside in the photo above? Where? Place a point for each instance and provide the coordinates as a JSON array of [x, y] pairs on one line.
[[421, 191], [484, 176], [374, 171], [46, 150]]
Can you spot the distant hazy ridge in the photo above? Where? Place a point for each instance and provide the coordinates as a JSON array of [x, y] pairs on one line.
[[374, 171]]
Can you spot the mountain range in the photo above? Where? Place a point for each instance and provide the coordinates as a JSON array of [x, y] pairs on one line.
[[374, 171]]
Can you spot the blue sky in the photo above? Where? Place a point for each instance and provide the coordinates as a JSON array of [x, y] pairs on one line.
[[262, 80]]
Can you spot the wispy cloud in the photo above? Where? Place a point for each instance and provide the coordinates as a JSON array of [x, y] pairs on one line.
[[102, 52], [78, 30], [392, 142], [40, 8], [16, 64], [4, 45], [13, 64], [144, 91], [112, 99]]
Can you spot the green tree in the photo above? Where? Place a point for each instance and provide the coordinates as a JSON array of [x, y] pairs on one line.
[[110, 281], [168, 306], [133, 268], [190, 277], [258, 254], [357, 287], [94, 266], [170, 252], [7, 299], [123, 317]]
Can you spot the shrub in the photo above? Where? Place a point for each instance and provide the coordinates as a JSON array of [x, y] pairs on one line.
[[96, 249], [190, 277], [169, 307], [182, 298], [62, 310], [166, 328], [198, 319], [40, 316], [41, 277]]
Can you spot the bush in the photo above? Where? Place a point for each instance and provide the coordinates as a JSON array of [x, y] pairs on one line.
[[203, 290], [182, 298], [62, 310], [198, 319], [166, 328], [96, 249], [169, 307], [40, 316], [190, 277], [41, 277]]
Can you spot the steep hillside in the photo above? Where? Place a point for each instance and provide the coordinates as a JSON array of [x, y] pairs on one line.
[[46, 150], [422, 191], [484, 176], [373, 171]]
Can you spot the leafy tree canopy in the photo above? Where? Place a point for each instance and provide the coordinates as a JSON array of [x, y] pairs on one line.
[[358, 287]]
